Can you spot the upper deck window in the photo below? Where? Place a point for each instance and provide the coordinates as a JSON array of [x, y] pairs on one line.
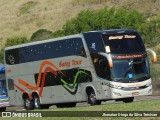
[[124, 43], [48, 50]]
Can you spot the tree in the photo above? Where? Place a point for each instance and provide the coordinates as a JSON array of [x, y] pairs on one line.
[[16, 40], [41, 34], [11, 42], [2, 56], [102, 19]]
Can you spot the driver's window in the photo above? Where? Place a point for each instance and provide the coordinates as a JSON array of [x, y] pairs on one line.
[[101, 66]]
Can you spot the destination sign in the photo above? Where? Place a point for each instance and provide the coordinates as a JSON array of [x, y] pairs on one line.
[[121, 37]]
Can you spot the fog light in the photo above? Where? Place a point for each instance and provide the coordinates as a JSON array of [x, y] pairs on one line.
[[117, 94], [150, 91]]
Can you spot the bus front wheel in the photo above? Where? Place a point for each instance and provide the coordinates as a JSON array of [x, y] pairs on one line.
[[92, 98]]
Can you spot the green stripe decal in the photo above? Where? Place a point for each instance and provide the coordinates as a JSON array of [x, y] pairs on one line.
[[75, 80]]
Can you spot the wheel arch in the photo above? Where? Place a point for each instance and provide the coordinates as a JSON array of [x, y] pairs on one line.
[[90, 87], [26, 94], [35, 93]]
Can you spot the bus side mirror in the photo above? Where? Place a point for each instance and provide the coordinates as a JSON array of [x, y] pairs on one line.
[[153, 54], [108, 57]]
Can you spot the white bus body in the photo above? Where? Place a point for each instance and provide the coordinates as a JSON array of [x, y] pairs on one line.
[[92, 66]]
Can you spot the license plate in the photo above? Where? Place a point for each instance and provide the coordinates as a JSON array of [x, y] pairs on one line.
[[135, 93]]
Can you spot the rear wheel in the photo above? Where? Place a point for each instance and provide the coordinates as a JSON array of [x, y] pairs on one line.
[[37, 104], [128, 100], [92, 98], [28, 104]]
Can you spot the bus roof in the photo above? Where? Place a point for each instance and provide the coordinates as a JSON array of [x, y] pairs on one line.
[[113, 31], [70, 36], [43, 41]]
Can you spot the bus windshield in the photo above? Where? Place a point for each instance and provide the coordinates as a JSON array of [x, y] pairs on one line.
[[130, 70], [124, 43]]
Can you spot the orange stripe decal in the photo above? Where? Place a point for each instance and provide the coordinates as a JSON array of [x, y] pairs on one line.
[[26, 84], [23, 91], [19, 88], [41, 79]]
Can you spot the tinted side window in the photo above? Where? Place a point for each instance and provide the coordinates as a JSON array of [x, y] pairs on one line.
[[12, 56], [55, 49], [10, 84], [52, 80], [94, 42]]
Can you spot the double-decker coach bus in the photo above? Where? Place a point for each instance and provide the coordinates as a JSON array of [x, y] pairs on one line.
[[3, 90], [93, 66]]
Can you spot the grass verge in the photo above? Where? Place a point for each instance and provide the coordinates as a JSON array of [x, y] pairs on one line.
[[135, 106]]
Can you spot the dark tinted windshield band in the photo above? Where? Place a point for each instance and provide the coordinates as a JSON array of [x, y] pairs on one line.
[[129, 56], [123, 43]]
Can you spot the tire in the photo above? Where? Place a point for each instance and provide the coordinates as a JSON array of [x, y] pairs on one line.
[[36, 102], [128, 100], [28, 104], [92, 98], [2, 109]]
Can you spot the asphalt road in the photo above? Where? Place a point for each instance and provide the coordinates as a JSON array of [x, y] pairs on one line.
[[136, 99]]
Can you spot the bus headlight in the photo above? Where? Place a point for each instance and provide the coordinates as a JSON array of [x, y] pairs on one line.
[[116, 94], [114, 86], [149, 84], [150, 91]]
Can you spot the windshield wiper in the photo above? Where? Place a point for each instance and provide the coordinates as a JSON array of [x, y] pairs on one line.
[[117, 79]]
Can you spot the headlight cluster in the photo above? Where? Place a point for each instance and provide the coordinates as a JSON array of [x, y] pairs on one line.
[[114, 86], [149, 84]]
